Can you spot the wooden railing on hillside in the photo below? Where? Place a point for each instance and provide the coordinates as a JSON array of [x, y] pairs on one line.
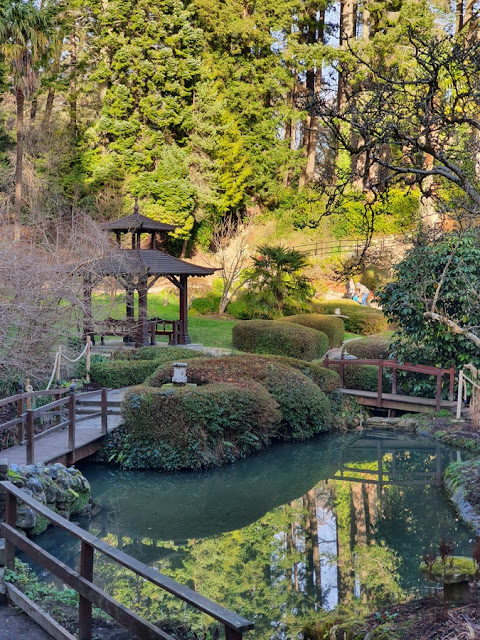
[[348, 246], [82, 581], [62, 412], [395, 366]]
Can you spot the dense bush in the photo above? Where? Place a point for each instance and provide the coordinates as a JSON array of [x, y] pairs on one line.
[[363, 377], [187, 428], [372, 348], [304, 407], [238, 309], [279, 338], [159, 354], [326, 379], [115, 374], [363, 320], [206, 305], [332, 327]]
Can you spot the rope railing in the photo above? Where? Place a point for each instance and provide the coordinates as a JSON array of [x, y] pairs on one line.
[[58, 359]]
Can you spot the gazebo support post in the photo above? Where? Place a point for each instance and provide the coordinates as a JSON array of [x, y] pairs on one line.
[[129, 308], [183, 289], [88, 328], [142, 333]]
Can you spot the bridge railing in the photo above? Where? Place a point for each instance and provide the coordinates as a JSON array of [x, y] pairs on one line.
[[82, 581], [62, 413], [395, 366]]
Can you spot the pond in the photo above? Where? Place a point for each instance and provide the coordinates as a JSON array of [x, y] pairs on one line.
[[299, 528]]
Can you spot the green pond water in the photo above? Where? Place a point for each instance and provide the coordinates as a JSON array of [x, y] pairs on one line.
[[281, 536]]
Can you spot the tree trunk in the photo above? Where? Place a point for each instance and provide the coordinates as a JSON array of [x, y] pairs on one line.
[[458, 16], [73, 81], [20, 100], [47, 114], [348, 27], [33, 108]]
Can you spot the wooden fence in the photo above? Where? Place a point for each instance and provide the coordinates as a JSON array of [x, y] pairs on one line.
[[62, 413], [82, 581], [396, 366], [348, 246]]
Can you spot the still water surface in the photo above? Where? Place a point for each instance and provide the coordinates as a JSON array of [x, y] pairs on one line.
[[300, 528]]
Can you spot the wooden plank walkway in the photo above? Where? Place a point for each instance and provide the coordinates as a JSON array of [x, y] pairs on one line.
[[53, 447]]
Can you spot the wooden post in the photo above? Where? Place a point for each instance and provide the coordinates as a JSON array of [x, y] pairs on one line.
[[459, 394], [71, 422], [232, 634], [438, 397], [451, 390], [84, 605], [342, 374], [184, 337], [89, 346], [142, 330], [380, 382], [104, 407], [58, 410], [30, 435], [88, 327], [11, 519]]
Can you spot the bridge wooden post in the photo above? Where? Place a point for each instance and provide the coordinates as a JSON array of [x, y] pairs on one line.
[[459, 394], [380, 381], [438, 397], [11, 519], [21, 426], [30, 436], [84, 605], [451, 390], [394, 380], [232, 634], [71, 422], [103, 408], [342, 375]]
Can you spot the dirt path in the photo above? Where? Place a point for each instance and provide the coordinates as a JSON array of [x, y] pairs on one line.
[[15, 625]]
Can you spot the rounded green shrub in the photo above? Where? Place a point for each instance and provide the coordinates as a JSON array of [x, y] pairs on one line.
[[376, 347], [238, 309], [362, 320], [115, 374], [332, 327], [279, 338], [210, 425], [326, 379], [206, 305], [363, 377], [304, 407]]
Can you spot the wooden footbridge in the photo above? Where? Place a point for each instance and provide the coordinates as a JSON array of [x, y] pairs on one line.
[[69, 428], [395, 400]]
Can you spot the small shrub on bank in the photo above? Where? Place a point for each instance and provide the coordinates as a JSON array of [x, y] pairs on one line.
[[115, 374], [238, 309], [206, 305], [362, 320], [363, 377], [326, 379], [279, 338], [332, 327], [213, 424], [372, 348], [304, 407]]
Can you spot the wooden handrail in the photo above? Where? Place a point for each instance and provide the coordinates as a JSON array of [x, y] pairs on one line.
[[235, 625], [396, 366]]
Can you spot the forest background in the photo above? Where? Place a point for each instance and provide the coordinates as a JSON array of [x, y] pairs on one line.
[[193, 106]]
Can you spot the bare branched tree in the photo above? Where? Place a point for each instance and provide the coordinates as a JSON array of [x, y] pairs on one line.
[[232, 243]]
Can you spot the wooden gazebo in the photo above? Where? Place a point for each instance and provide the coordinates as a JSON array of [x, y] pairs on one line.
[[138, 269]]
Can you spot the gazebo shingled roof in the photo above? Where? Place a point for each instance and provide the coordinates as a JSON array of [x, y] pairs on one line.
[[136, 222], [148, 261]]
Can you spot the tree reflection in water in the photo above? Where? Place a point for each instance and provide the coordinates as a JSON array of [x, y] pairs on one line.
[[352, 536]]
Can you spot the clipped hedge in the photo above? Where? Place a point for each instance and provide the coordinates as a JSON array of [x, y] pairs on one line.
[[279, 338], [332, 327], [115, 374], [160, 354], [326, 379], [178, 429], [362, 320], [206, 305], [129, 367], [363, 377], [304, 407], [372, 348]]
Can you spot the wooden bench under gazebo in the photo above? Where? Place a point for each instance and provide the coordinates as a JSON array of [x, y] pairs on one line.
[[137, 269]]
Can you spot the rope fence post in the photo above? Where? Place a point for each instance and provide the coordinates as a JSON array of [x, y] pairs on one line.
[[58, 362], [29, 390], [459, 394], [89, 346]]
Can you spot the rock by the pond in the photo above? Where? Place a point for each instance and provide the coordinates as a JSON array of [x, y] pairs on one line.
[[455, 574], [64, 490], [380, 422]]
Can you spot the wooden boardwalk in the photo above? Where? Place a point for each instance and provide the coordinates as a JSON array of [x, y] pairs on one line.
[[398, 402], [54, 446]]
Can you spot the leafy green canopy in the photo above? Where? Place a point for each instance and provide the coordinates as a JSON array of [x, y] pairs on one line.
[[418, 278]]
